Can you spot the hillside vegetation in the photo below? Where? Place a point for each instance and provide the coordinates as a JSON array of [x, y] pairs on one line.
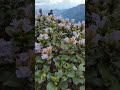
[[60, 50]]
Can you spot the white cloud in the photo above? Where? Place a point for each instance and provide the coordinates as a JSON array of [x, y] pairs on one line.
[[61, 1], [56, 1], [58, 4], [77, 1], [40, 3], [37, 2]]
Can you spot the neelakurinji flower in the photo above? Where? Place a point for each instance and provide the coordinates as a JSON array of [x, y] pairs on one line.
[[83, 23], [44, 56], [48, 29], [36, 23], [71, 40], [66, 40], [67, 21], [47, 50], [77, 25], [76, 34], [81, 42], [48, 19], [67, 27], [43, 36], [57, 18], [62, 20], [37, 47], [61, 25]]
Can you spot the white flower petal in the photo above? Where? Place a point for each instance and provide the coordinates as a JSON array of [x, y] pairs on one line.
[[44, 56]]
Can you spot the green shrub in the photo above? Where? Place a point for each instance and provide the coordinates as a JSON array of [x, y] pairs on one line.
[[60, 54]]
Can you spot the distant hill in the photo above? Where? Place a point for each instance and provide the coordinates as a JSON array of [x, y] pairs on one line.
[[77, 13]]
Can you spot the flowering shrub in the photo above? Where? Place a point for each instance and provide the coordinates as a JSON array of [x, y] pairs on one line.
[[60, 54], [17, 45], [102, 45]]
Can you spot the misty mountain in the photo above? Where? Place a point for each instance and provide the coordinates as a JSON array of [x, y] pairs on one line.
[[77, 13]]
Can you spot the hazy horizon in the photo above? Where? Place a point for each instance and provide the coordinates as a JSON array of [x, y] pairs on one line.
[[57, 4]]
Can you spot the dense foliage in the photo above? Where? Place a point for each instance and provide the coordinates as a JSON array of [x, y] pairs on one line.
[[60, 54], [103, 44], [16, 45]]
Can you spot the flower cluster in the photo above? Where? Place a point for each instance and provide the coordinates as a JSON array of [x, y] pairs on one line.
[[43, 36], [70, 40], [46, 52], [17, 45], [60, 52], [102, 44]]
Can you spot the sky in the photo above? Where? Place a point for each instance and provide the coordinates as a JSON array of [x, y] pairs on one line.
[[58, 4]]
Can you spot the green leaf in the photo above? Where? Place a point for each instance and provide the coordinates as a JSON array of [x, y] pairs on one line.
[[56, 64], [64, 78], [82, 87], [65, 57], [46, 68], [49, 76], [81, 67], [68, 89], [60, 73], [71, 74], [76, 80], [50, 86], [37, 73], [64, 85], [38, 59]]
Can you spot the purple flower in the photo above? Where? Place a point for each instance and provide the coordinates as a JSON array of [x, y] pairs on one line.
[[37, 47], [44, 56]]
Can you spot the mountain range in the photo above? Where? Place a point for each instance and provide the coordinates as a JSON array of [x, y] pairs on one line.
[[77, 13]]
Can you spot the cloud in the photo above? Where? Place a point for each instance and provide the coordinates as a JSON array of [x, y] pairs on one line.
[[56, 1], [41, 1], [60, 1], [58, 4], [40, 4], [77, 1]]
